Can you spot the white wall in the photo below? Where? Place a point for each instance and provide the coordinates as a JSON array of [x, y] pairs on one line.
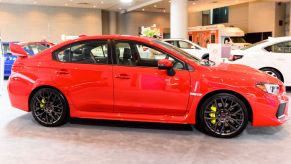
[[195, 19], [129, 23], [34, 23], [239, 16], [262, 16]]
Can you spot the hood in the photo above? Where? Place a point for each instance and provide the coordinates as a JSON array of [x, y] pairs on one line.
[[236, 73], [237, 52]]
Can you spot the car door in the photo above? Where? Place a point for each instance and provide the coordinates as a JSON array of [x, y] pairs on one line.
[[141, 88], [84, 69]]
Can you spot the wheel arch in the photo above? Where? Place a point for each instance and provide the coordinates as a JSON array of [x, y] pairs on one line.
[[51, 87], [241, 97], [275, 70]]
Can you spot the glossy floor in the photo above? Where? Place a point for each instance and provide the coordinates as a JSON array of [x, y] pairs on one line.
[[22, 140]]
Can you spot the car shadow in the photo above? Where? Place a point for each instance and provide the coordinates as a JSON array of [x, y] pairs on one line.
[[86, 130]]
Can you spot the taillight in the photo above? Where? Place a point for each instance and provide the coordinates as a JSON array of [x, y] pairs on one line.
[[235, 57]]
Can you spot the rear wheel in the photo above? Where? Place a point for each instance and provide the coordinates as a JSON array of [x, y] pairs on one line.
[[223, 115], [273, 73], [49, 107]]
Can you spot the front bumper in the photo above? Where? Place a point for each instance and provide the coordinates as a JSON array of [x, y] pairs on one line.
[[270, 110]]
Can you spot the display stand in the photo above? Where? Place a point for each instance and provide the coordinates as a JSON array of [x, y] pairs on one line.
[[218, 52], [1, 67]]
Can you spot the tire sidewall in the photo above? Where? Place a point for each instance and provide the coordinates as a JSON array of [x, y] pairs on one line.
[[208, 131], [64, 115]]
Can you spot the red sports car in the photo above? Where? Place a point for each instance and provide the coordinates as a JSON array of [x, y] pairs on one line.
[[141, 79]]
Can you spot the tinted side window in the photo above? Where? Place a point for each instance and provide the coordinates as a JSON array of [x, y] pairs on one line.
[[6, 48], [88, 52], [149, 57], [284, 47], [124, 53]]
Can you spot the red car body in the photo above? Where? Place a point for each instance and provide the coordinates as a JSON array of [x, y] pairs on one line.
[[111, 91]]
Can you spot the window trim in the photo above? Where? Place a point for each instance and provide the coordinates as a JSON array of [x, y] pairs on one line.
[[109, 62], [131, 42], [276, 44]]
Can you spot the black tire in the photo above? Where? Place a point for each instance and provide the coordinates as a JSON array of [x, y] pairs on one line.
[[223, 115], [49, 107], [273, 72]]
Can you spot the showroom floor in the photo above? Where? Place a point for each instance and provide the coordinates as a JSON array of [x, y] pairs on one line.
[[87, 141]]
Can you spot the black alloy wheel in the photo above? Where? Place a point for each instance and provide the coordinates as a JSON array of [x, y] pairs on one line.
[[49, 107], [223, 115]]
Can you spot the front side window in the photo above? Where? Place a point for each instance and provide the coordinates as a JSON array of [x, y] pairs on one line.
[[88, 52], [138, 54], [284, 47]]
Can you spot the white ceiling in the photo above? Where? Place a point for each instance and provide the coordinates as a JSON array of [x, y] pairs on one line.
[[198, 5], [139, 5], [98, 4]]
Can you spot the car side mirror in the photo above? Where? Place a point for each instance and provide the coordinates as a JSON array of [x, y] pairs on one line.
[[168, 65], [17, 50]]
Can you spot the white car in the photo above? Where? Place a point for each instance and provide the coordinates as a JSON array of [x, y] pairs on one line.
[[190, 47], [272, 56]]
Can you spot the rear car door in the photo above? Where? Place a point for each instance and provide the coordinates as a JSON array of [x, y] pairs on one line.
[[141, 88], [84, 69]]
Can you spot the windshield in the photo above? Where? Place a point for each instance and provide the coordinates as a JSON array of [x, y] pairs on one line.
[[178, 51], [237, 39], [253, 45]]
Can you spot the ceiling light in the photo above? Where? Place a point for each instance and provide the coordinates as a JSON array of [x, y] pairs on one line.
[[155, 6], [143, 9], [126, 1]]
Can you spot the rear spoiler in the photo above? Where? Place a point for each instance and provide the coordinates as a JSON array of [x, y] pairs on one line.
[[17, 50]]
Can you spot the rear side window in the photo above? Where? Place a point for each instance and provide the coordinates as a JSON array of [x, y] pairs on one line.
[[88, 52], [284, 47]]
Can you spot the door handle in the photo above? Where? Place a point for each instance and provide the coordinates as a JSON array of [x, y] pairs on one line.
[[62, 72], [122, 76]]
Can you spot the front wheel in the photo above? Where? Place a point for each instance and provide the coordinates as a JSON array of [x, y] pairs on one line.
[[223, 115], [49, 107]]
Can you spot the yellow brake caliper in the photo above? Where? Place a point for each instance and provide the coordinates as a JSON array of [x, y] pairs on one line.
[[213, 114], [42, 103]]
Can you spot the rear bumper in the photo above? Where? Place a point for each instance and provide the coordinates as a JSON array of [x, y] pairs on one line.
[[270, 110]]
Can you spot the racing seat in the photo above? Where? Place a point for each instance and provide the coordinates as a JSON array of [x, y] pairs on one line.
[[87, 57], [127, 57]]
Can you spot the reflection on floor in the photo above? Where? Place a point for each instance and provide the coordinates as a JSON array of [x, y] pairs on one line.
[[22, 140]]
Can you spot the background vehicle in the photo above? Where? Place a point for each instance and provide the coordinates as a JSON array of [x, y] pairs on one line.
[[204, 35], [8, 58], [272, 56], [31, 48], [190, 47], [111, 77]]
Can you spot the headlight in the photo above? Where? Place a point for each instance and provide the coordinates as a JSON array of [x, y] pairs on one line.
[[269, 88]]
